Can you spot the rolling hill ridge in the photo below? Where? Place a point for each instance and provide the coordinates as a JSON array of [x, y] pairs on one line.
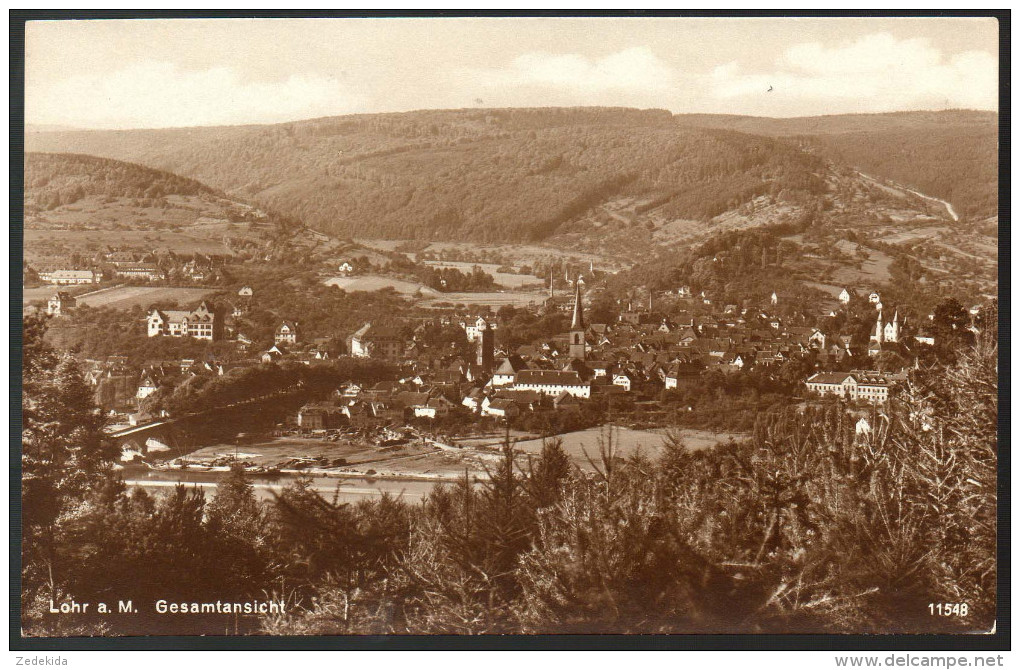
[[531, 174], [950, 154]]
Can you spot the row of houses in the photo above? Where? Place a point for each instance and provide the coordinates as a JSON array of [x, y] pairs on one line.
[[640, 353]]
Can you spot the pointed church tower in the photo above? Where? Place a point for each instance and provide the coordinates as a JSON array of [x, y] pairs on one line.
[[577, 345], [552, 290], [892, 330], [877, 336]]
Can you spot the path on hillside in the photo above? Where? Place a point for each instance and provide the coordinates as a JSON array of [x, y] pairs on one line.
[[948, 206]]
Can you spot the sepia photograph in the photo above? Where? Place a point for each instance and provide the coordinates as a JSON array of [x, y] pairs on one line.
[[507, 326]]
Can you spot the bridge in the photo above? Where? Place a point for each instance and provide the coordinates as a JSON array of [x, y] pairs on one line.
[[155, 436], [170, 434]]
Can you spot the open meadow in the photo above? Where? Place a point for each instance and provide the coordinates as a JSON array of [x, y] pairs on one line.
[[495, 300], [627, 442], [126, 297], [376, 283], [507, 279], [43, 243], [42, 293]]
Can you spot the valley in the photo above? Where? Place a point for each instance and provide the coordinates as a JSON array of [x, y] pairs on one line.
[[735, 215]]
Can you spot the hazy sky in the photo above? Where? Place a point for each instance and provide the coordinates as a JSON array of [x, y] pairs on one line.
[[161, 73]]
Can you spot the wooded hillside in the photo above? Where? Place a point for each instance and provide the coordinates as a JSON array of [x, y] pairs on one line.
[[487, 175], [951, 154], [52, 180]]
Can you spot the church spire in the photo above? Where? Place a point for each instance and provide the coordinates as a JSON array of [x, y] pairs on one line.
[[577, 323], [578, 349]]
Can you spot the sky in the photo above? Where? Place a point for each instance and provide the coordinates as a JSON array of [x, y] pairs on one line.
[[175, 73]]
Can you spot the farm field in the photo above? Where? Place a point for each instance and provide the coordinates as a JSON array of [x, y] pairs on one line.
[[126, 297], [432, 298], [832, 289], [43, 293], [519, 253], [30, 295], [38, 241], [628, 442], [375, 283], [506, 279], [413, 460], [914, 234], [514, 298]]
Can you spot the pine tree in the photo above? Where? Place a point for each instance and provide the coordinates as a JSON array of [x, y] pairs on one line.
[[65, 456], [546, 478]]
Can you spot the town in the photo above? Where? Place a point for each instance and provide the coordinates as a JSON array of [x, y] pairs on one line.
[[453, 379], [615, 330]]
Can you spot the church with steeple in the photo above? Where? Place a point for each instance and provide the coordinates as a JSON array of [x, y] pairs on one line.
[[892, 329], [890, 332], [578, 349]]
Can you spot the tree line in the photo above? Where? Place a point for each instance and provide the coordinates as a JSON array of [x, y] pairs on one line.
[[814, 524]]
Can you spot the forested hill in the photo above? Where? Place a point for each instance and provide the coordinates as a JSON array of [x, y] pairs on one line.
[[526, 174], [54, 180], [950, 154], [483, 175]]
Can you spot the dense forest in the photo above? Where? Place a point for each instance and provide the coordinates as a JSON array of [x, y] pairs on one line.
[[520, 174], [53, 180], [811, 525], [485, 175], [951, 154]]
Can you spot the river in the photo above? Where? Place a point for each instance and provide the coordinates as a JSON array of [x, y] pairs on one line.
[[351, 489]]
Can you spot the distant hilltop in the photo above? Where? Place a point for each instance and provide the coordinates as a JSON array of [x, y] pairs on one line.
[[49, 128], [511, 175]]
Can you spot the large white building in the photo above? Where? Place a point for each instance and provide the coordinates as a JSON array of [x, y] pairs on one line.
[[372, 342], [202, 323], [70, 277], [552, 382], [867, 385]]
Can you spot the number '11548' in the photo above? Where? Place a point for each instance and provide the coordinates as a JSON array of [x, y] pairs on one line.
[[948, 609]]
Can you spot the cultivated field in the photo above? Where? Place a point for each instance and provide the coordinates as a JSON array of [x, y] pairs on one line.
[[31, 295], [873, 271], [518, 253], [514, 298], [626, 442], [831, 289], [375, 283], [46, 242], [126, 297], [432, 298], [506, 279], [46, 291]]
